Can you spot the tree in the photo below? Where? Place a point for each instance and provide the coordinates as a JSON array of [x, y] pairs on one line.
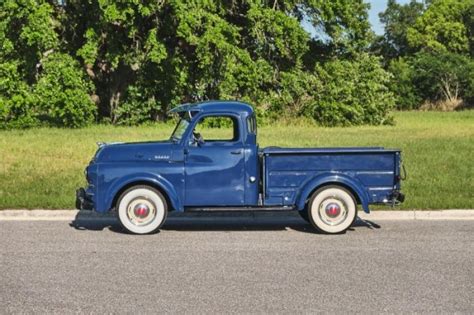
[[430, 55], [445, 26], [115, 41], [135, 60], [432, 80], [397, 19], [146, 57], [444, 77], [40, 84], [402, 84], [343, 26], [26, 35]]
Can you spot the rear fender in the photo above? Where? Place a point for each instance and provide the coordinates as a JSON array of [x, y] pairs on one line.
[[142, 178], [334, 179]]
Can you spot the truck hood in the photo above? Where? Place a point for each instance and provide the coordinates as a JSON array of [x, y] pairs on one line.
[[134, 151]]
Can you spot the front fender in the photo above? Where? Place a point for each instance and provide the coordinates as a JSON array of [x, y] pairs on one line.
[[152, 179], [332, 178]]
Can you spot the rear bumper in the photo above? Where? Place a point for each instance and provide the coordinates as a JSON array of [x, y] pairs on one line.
[[396, 198], [83, 201]]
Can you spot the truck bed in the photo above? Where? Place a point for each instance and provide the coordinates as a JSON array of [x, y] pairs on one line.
[[286, 171]]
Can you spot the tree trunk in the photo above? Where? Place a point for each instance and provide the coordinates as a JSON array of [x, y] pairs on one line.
[[116, 84]]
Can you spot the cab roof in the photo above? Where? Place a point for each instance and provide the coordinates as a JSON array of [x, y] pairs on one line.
[[214, 106]]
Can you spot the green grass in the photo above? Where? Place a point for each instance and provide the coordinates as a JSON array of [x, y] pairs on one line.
[[40, 168]]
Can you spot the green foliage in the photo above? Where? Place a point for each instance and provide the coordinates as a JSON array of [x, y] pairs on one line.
[[119, 44], [294, 96], [138, 59], [402, 84], [39, 85], [352, 93], [61, 94], [431, 78], [446, 25], [436, 43], [277, 37], [16, 105], [397, 19], [137, 107], [444, 76], [26, 32], [38, 31], [89, 50], [58, 98], [177, 51], [344, 23]]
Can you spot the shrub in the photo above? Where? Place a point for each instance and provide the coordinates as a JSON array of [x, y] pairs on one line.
[[401, 84], [15, 99], [62, 93], [293, 95], [137, 108], [352, 93]]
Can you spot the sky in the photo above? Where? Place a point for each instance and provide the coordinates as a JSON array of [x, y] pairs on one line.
[[377, 6]]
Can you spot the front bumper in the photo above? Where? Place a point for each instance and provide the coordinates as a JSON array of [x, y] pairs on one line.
[[83, 201]]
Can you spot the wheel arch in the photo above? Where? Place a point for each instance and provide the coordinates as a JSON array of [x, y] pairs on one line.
[[160, 184], [344, 181]]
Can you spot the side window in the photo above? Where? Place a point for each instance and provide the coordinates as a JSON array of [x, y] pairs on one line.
[[217, 129]]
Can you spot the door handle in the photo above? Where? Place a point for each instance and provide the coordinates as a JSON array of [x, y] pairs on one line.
[[236, 152]]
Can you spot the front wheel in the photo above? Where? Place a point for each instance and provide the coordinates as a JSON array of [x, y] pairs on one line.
[[332, 209], [142, 209]]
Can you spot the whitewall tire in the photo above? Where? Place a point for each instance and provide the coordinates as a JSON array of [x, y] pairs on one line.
[[332, 209], [142, 209]]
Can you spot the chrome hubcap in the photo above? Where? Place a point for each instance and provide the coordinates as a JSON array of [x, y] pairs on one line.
[[333, 211], [141, 211]]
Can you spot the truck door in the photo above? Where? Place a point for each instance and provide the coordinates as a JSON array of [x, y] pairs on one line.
[[214, 162]]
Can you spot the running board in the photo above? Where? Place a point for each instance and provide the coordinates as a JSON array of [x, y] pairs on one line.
[[233, 209]]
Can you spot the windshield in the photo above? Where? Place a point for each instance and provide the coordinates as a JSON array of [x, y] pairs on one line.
[[179, 130]]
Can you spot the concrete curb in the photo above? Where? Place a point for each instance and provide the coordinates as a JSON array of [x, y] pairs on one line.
[[70, 215], [452, 214]]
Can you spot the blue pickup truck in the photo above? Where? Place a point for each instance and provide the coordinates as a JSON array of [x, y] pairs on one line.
[[192, 171]]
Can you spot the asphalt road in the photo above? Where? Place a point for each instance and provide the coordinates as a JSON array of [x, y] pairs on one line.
[[237, 265]]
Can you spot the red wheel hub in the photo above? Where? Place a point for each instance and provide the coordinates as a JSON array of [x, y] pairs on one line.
[[333, 210], [141, 211]]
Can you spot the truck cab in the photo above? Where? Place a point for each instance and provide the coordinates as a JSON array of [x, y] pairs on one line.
[[227, 165], [196, 171]]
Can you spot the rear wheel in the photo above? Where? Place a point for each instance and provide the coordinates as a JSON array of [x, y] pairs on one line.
[[332, 209], [142, 209]]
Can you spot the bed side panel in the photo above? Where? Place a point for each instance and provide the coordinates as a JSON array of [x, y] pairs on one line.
[[286, 174]]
